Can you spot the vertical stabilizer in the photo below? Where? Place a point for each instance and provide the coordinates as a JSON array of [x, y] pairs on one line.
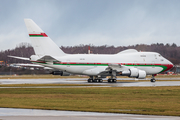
[[42, 44]]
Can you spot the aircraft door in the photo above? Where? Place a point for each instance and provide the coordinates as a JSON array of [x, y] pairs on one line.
[[153, 62], [135, 64], [95, 62]]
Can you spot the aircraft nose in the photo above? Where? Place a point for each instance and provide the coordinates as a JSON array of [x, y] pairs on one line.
[[169, 66]]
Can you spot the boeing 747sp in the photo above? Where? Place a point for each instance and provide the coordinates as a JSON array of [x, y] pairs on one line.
[[129, 62]]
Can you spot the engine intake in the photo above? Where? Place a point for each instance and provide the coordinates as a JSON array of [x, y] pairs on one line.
[[134, 72], [142, 74]]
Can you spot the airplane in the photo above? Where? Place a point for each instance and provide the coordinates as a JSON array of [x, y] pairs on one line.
[[129, 62]]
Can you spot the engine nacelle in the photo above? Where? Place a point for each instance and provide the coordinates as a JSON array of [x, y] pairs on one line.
[[61, 73], [134, 72], [57, 72], [142, 74], [65, 74]]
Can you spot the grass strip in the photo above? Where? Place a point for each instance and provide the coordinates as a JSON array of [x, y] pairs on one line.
[[134, 100]]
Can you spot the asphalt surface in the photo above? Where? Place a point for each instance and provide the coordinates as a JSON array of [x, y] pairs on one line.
[[29, 114], [84, 81]]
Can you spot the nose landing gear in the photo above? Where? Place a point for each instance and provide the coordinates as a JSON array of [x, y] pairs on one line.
[[153, 78]]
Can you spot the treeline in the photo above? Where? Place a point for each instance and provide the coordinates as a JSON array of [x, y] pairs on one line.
[[169, 51], [21, 50]]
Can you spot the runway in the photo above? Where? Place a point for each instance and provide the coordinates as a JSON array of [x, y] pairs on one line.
[[84, 82], [29, 114]]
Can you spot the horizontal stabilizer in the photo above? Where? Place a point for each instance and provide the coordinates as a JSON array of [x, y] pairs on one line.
[[22, 58], [48, 58]]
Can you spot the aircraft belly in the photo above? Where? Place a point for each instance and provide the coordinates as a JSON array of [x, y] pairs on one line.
[[95, 71], [77, 69], [59, 67]]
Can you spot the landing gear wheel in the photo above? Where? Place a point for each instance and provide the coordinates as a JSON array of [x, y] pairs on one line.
[[114, 80], [109, 80], [95, 80], [153, 80], [100, 80], [90, 80]]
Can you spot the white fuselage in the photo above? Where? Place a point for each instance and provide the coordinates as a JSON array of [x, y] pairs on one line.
[[150, 62]]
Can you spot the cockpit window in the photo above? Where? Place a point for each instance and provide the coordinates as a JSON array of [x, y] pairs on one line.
[[159, 55]]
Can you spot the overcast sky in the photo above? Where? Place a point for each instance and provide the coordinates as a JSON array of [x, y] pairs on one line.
[[97, 22]]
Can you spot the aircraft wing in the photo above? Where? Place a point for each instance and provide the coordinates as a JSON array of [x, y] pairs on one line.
[[113, 68], [22, 58], [116, 67], [106, 70]]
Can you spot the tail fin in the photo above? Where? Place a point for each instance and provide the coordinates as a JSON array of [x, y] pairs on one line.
[[42, 44]]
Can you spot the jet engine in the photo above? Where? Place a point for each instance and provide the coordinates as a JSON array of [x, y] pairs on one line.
[[134, 72], [142, 74], [61, 73]]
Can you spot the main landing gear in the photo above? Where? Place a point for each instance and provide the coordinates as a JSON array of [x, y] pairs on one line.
[[113, 77], [99, 80], [153, 78], [96, 79], [112, 80]]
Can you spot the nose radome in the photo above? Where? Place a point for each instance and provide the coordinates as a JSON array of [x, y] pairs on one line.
[[170, 65]]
